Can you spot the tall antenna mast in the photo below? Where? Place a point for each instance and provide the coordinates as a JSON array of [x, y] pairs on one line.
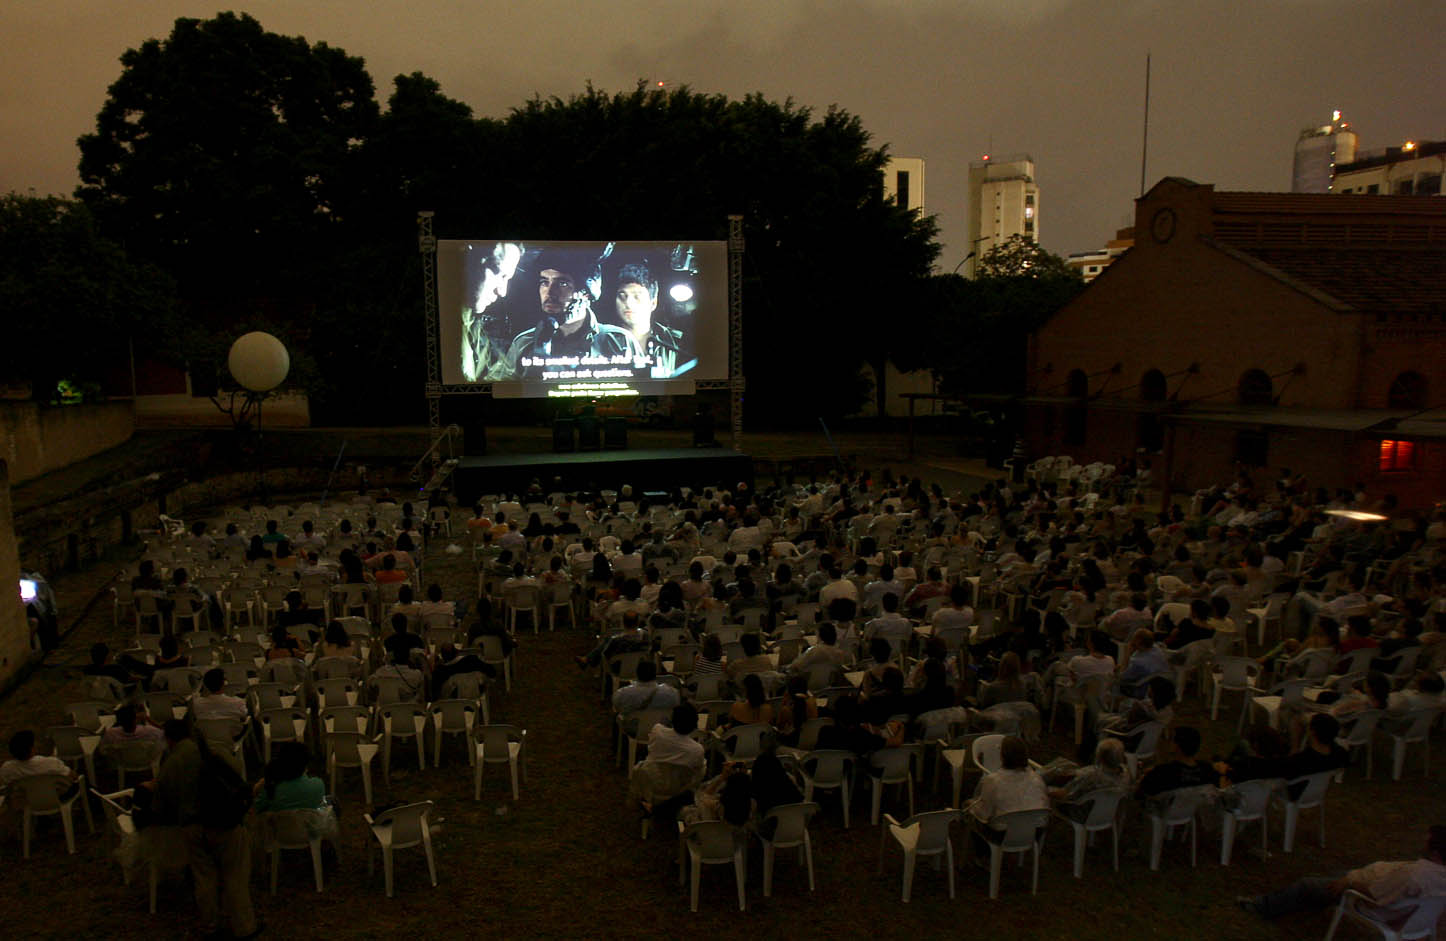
[[1145, 146]]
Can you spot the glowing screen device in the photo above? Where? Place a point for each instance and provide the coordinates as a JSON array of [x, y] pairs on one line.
[[582, 319]]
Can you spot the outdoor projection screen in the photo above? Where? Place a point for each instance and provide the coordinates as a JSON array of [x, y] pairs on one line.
[[582, 319]]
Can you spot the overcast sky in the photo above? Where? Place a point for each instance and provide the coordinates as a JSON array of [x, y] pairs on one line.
[[946, 80]]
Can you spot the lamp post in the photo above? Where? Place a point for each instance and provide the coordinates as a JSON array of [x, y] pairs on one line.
[[259, 363]]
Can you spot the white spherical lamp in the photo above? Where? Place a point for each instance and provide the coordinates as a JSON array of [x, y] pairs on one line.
[[259, 361]]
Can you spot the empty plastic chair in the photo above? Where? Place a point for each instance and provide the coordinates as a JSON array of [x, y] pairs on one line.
[[921, 835], [711, 842], [500, 744], [402, 828]]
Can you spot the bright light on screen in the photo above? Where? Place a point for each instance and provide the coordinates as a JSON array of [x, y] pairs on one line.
[[27, 590], [582, 319]]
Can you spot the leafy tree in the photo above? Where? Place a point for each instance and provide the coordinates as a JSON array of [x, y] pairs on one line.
[[977, 331], [227, 154], [73, 301], [1021, 256]]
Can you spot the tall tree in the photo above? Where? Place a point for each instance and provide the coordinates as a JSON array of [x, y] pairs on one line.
[[228, 155], [978, 330], [74, 302]]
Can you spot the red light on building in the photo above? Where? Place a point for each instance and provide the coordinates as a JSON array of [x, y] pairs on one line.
[[1397, 455]]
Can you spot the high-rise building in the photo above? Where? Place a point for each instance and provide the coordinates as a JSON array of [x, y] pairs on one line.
[[1317, 152], [904, 182], [1003, 201]]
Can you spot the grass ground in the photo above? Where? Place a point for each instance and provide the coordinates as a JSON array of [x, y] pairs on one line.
[[566, 859]]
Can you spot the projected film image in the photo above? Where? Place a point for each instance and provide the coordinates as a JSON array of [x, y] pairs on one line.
[[578, 318]]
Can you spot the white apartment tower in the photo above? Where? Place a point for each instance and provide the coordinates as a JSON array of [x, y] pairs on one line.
[[1004, 201], [904, 182], [1317, 152]]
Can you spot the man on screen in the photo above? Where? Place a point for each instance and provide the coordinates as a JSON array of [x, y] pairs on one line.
[[482, 359], [651, 345], [568, 326]]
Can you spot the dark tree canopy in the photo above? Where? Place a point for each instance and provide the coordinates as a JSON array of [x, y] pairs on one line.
[[73, 300], [228, 154], [259, 170], [979, 329]]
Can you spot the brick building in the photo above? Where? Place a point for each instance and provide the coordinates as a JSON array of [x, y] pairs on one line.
[[1260, 330]]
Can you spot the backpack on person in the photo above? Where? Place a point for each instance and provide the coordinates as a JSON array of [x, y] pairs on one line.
[[222, 795]]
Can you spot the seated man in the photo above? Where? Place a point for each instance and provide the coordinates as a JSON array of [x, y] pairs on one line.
[[645, 693], [1186, 771], [675, 763], [212, 701], [956, 613], [1142, 658], [402, 642], [452, 662], [1195, 627], [891, 626], [1320, 753], [1387, 884], [25, 763], [631, 637], [754, 660], [876, 591], [127, 672], [825, 652]]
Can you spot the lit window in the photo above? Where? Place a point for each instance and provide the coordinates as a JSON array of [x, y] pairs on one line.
[[1029, 212], [1397, 455]]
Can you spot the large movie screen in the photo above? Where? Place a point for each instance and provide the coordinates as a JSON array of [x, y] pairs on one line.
[[582, 319]]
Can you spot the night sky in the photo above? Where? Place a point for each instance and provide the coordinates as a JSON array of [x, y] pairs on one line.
[[1233, 82]]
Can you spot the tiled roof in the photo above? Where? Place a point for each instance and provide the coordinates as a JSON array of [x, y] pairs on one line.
[[1374, 280]]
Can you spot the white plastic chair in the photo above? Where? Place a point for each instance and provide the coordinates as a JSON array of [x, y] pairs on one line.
[[524, 599], [1233, 674], [1104, 814], [891, 766], [985, 753], [1254, 805], [1313, 796], [1359, 731], [1089, 689], [75, 746], [282, 725], [711, 842], [924, 834], [1285, 695], [402, 720], [1023, 831], [1414, 728], [351, 749], [790, 831], [1178, 810], [402, 828], [1415, 919], [122, 825], [137, 757], [290, 830], [827, 770], [453, 717], [500, 744], [41, 797]]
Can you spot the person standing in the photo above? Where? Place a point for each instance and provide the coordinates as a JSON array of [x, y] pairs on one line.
[[206, 795]]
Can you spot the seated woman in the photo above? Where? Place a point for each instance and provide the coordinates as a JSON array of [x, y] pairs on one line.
[[754, 707], [336, 643], [1109, 770], [797, 708], [1014, 787], [709, 661], [1008, 684], [283, 645], [170, 655], [287, 787]]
